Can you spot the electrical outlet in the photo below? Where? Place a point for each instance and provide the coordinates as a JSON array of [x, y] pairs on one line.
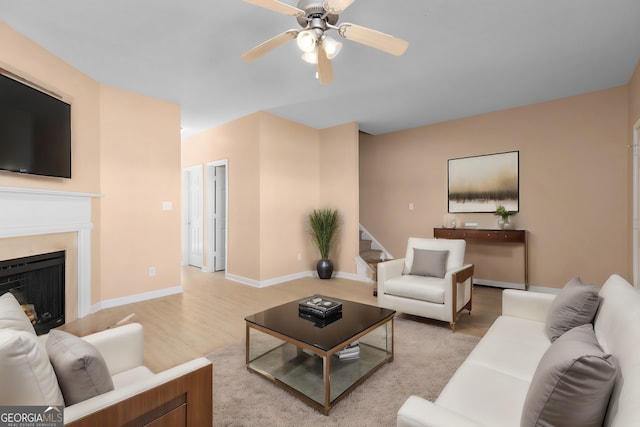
[[152, 271], [411, 206]]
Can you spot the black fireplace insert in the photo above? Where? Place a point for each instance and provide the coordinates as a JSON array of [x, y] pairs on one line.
[[37, 282]]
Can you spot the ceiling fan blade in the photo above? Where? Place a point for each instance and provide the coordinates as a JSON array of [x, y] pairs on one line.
[[269, 45], [373, 38], [278, 6], [336, 7], [324, 68]]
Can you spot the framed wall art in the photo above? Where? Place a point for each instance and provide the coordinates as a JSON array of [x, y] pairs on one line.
[[482, 183]]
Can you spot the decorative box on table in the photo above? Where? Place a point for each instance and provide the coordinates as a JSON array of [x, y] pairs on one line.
[[320, 307]]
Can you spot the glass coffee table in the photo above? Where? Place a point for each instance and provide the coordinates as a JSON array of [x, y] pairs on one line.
[[302, 354]]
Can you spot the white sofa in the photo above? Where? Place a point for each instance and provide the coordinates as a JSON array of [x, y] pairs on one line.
[[177, 396], [490, 387]]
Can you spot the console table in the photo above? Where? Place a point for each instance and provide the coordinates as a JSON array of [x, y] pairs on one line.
[[489, 236]]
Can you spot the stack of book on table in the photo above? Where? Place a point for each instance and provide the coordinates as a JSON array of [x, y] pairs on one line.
[[352, 351]]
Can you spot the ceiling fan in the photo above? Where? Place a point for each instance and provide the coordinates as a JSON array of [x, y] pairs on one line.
[[317, 17]]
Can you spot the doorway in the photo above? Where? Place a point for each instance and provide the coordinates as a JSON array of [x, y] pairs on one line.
[[192, 235], [217, 202]]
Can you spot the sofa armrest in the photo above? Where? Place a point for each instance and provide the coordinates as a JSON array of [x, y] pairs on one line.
[[526, 304], [390, 269], [189, 384], [462, 274], [121, 347], [417, 411], [387, 270]]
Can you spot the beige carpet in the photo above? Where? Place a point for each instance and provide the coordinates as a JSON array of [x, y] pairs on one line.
[[426, 356]]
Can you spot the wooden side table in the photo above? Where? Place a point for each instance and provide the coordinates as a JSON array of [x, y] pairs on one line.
[[489, 236]]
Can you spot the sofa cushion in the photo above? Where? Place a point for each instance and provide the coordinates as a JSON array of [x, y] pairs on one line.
[[82, 372], [27, 375], [429, 263], [423, 288], [12, 316], [489, 397], [575, 305], [572, 383], [513, 346]]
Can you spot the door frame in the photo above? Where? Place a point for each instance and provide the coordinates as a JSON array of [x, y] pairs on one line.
[[185, 210], [636, 200], [210, 231]]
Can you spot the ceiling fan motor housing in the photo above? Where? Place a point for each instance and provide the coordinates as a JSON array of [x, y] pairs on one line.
[[314, 9]]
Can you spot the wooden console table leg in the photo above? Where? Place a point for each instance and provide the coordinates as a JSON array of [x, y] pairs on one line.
[[526, 263]]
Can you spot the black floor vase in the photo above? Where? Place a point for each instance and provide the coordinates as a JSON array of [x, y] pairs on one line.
[[325, 268]]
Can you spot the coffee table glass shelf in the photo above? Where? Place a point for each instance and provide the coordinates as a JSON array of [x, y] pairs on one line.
[[302, 354]]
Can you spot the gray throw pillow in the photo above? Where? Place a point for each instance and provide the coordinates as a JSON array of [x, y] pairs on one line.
[[82, 372], [575, 305], [572, 383], [429, 263]]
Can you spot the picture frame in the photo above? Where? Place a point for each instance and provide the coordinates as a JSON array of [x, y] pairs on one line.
[[482, 183]]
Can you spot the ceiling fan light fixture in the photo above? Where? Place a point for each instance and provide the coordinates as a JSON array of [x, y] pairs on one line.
[[331, 46], [307, 40], [310, 57]]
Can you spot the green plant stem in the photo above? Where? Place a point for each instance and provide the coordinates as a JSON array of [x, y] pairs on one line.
[[323, 224]]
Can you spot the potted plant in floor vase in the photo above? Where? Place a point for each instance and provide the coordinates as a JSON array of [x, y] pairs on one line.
[[323, 223]]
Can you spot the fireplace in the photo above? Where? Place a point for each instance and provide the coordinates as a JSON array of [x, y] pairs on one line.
[[38, 283], [42, 221]]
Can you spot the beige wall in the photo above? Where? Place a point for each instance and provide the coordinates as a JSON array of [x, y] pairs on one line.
[[238, 143], [340, 189], [140, 141], [574, 186], [23, 57], [140, 169], [634, 119], [573, 154], [278, 172], [289, 168]]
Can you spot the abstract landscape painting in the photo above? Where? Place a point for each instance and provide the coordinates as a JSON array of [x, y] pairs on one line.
[[481, 183]]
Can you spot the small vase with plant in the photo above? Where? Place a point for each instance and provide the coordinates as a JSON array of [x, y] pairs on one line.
[[323, 223], [504, 214]]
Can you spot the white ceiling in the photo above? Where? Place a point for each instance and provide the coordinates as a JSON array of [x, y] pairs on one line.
[[465, 57]]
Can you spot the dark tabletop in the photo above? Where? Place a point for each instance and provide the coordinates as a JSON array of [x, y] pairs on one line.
[[286, 320]]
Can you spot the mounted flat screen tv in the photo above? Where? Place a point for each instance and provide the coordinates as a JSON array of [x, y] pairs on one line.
[[35, 131]]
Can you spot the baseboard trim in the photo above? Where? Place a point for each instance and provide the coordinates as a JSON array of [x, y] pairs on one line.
[[544, 290], [269, 282], [116, 302], [508, 285], [348, 276], [496, 284], [290, 277]]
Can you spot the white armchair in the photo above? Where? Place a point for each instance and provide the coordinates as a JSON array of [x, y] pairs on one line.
[[431, 281]]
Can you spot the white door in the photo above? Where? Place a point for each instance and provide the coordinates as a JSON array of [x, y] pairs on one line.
[[220, 217], [195, 238]]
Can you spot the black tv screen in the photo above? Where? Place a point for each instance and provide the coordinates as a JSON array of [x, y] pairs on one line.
[[35, 131]]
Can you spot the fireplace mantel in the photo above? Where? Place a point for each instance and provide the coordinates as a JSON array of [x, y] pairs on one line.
[[32, 212]]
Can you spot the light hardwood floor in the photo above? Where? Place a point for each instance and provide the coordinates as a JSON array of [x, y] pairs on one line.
[[210, 313]]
